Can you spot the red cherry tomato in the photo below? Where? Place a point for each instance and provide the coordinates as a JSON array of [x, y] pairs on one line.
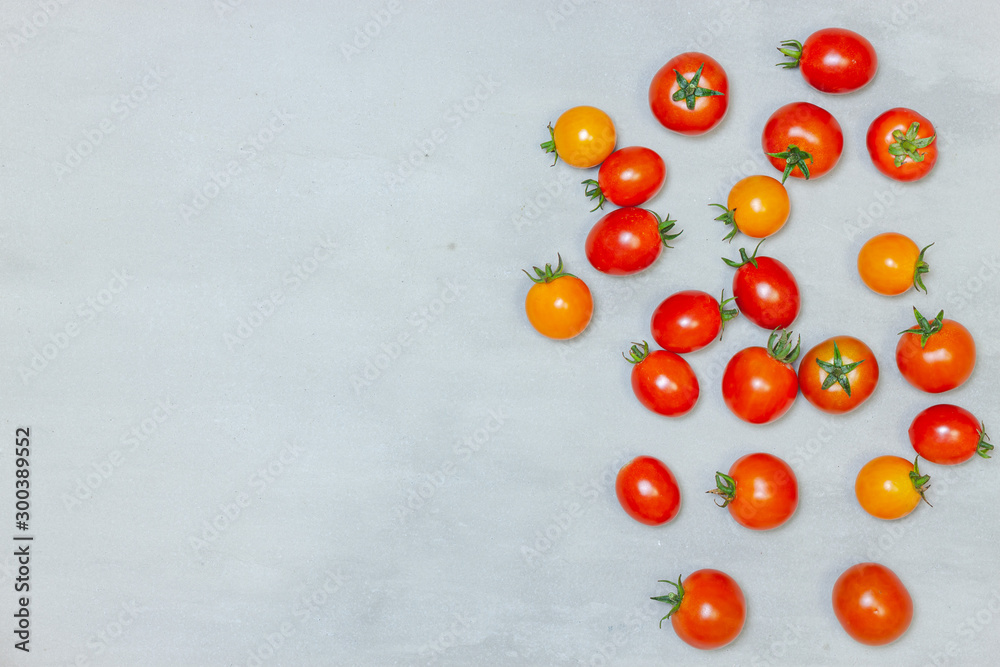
[[901, 144], [947, 434], [759, 385], [689, 320], [648, 491], [760, 491], [628, 177], [839, 374], [628, 240], [690, 94], [765, 290], [833, 60], [663, 381], [936, 356], [872, 604], [802, 140], [708, 609]]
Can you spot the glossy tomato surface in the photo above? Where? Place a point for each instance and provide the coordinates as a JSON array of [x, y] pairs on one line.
[[758, 206], [761, 491], [872, 604], [941, 361], [835, 60], [688, 321], [663, 382], [839, 374], [802, 140], [758, 388], [583, 136], [627, 240], [890, 263], [690, 94], [885, 488], [947, 434], [648, 491], [629, 177], [766, 292], [559, 305], [709, 609], [902, 144]]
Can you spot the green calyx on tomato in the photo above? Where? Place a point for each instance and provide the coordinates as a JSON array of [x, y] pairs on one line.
[[665, 226], [908, 145], [673, 599], [635, 354], [550, 145], [920, 482], [726, 488], [594, 192], [921, 268], [924, 328], [983, 447], [726, 314], [690, 90], [779, 346], [792, 49], [728, 218], [836, 371], [547, 275], [752, 259], [794, 157]]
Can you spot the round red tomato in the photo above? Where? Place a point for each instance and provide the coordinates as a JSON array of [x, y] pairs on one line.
[[689, 320], [690, 94], [838, 375], [663, 381], [833, 60], [628, 240], [765, 291], [648, 491], [936, 356], [872, 604], [760, 491], [802, 140], [759, 385], [901, 144], [947, 434], [708, 609], [559, 305], [628, 177]]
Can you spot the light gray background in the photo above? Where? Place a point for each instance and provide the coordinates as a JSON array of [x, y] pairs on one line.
[[118, 575]]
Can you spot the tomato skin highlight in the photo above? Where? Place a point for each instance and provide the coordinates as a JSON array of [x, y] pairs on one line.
[[648, 491], [760, 206], [632, 176], [709, 110], [947, 434], [712, 611], [943, 363], [624, 241], [838, 61], [766, 494], [862, 379], [884, 488], [811, 129], [665, 384], [872, 604], [880, 137], [558, 305], [767, 294], [583, 136], [888, 263], [686, 321], [758, 388]]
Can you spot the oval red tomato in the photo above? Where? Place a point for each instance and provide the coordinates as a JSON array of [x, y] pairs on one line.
[[802, 140], [872, 604], [628, 177], [947, 434], [689, 320], [708, 609], [628, 240], [648, 491], [759, 385], [663, 381], [765, 290], [901, 144], [690, 94], [760, 491], [833, 60], [936, 355], [839, 374]]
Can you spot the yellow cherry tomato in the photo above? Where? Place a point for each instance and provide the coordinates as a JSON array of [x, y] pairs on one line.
[[890, 487], [582, 137], [758, 206], [890, 263], [559, 304]]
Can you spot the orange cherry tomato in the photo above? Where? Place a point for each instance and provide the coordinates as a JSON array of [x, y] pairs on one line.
[[559, 304], [758, 206], [872, 604], [936, 356], [582, 137], [760, 491], [838, 375], [891, 263], [708, 608], [890, 487]]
